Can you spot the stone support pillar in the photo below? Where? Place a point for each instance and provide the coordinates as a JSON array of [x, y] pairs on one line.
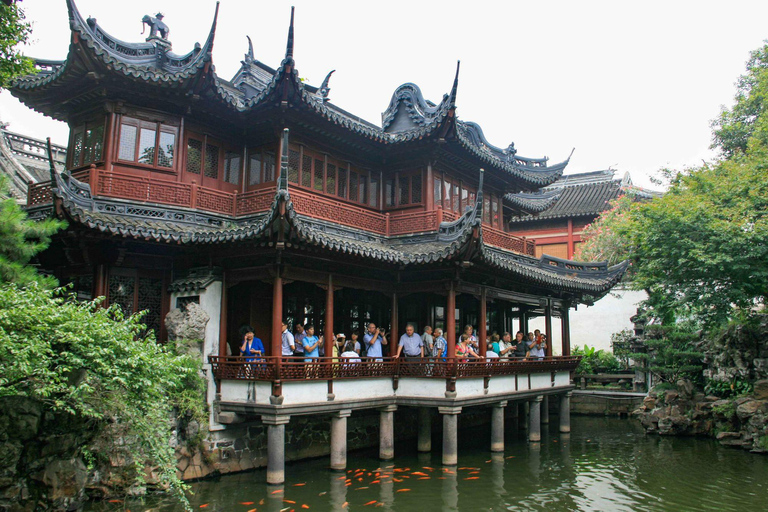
[[565, 412], [534, 420], [497, 427], [387, 432], [545, 410], [450, 434], [526, 410], [223, 317], [450, 321], [425, 430], [275, 448], [339, 439]]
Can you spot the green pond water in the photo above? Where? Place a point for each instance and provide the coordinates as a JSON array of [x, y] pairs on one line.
[[605, 464]]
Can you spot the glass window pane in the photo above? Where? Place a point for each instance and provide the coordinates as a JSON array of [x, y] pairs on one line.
[[293, 166], [194, 155], [330, 178], [77, 149], [306, 171], [416, 188], [127, 142], [353, 179], [147, 146], [254, 169], [232, 167], [94, 141], [269, 166], [373, 199], [166, 149], [319, 165], [438, 192], [211, 169], [447, 195], [342, 182]]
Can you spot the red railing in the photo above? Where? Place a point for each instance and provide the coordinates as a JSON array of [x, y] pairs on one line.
[[503, 240], [256, 201], [414, 222], [332, 210], [39, 193], [328, 368]]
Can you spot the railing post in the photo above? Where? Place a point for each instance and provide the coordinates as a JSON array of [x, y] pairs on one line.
[[193, 195], [386, 224], [439, 216], [93, 180], [234, 203]]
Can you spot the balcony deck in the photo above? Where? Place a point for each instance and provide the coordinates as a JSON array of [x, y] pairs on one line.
[[329, 384], [124, 186]]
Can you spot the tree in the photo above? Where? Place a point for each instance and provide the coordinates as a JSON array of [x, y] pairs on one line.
[[89, 363], [14, 31], [700, 250], [21, 239]]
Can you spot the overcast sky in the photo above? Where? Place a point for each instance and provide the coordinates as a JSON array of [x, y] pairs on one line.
[[631, 85]]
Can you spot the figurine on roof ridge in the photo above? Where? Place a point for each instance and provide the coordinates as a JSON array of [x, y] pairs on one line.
[[156, 25]]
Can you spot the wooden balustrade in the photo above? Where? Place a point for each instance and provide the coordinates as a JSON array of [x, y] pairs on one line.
[[328, 368], [137, 188]]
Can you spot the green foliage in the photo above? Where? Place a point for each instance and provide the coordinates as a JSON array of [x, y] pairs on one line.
[[14, 30], [620, 343], [92, 363], [20, 240], [700, 250], [727, 410], [671, 354], [727, 389], [596, 361], [734, 128]]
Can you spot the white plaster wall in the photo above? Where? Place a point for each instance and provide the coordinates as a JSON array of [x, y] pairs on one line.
[[501, 384], [562, 378], [358, 388], [593, 325], [469, 387], [541, 380], [420, 387], [304, 392]]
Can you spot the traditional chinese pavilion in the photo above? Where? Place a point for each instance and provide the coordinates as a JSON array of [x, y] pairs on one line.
[[260, 199]]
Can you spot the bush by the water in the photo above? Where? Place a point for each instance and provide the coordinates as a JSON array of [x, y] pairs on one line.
[[90, 363], [596, 361]]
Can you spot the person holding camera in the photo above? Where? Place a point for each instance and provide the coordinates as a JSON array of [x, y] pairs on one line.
[[374, 339]]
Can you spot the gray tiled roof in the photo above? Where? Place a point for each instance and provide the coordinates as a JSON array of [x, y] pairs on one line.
[[574, 201]]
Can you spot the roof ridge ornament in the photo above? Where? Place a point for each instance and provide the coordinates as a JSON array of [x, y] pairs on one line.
[[156, 25], [324, 88], [249, 56], [289, 45], [283, 183], [455, 85]]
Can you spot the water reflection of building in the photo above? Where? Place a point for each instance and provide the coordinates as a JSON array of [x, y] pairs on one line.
[[261, 200]]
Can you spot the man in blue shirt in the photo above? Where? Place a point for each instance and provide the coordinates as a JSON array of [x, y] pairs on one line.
[[289, 345], [373, 340], [311, 344], [410, 343]]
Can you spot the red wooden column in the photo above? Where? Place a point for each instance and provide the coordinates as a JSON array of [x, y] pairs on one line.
[[570, 239], [394, 337], [275, 345], [223, 317], [101, 282], [523, 322], [548, 326], [450, 322], [565, 327], [483, 333], [328, 341]]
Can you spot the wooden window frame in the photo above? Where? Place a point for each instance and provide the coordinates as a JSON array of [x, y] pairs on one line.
[[263, 151], [159, 127], [223, 148]]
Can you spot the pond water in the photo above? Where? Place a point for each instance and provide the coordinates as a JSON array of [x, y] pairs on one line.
[[605, 464]]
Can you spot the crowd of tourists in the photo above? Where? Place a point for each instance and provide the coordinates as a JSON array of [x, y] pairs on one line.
[[304, 343]]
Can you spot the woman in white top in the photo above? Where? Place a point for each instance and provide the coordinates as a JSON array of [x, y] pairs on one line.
[[349, 355]]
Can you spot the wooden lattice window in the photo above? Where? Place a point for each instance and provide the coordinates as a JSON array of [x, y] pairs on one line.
[[232, 167], [261, 166], [330, 178], [194, 155], [342, 182], [294, 158], [409, 188], [306, 171], [319, 168], [87, 143], [138, 290], [211, 160], [353, 180], [373, 198]]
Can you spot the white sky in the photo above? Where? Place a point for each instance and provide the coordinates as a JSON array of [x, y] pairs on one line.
[[630, 85]]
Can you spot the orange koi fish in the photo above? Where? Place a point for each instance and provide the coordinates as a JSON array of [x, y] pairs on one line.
[[419, 473], [115, 501], [252, 510], [277, 491], [424, 478], [376, 482], [345, 504], [472, 478], [397, 479], [304, 505], [474, 472], [246, 502], [361, 488], [289, 501], [370, 503], [402, 490], [428, 468], [203, 506], [300, 485]]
